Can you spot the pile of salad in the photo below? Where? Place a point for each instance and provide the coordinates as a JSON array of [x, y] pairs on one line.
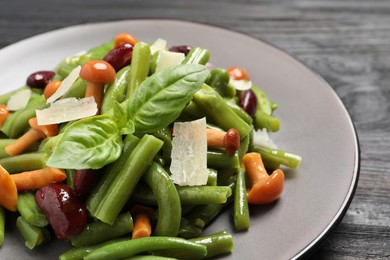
[[131, 149]]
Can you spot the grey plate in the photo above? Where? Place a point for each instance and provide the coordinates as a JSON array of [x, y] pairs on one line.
[[314, 124]]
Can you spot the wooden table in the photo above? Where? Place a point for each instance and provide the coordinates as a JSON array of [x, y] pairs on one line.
[[345, 41]]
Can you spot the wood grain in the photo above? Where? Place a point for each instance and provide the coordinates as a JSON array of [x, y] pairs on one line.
[[347, 42]]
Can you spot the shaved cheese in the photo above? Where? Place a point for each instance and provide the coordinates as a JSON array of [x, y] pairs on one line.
[[65, 85], [189, 153], [169, 59], [66, 110], [19, 100], [158, 45], [261, 138], [241, 84]]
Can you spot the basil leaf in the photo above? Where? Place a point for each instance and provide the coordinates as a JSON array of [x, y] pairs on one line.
[[120, 117], [158, 101], [89, 143]]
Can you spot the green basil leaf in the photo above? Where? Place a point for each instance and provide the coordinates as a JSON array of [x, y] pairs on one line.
[[158, 101], [89, 143]]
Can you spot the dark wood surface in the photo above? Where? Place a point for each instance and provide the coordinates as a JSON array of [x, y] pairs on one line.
[[346, 41]]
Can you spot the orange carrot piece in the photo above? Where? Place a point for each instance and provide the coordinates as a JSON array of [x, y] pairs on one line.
[[124, 38], [3, 114], [23, 142], [32, 180], [265, 188], [142, 221], [51, 88], [8, 191]]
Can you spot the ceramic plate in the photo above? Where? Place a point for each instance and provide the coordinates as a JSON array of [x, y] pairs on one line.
[[314, 124]]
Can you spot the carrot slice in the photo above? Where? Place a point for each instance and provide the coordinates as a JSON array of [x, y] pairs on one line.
[[142, 221], [8, 191], [3, 114], [32, 180]]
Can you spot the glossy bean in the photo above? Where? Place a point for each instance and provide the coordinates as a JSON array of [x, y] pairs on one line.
[[40, 79], [241, 217], [248, 102], [120, 56], [276, 157], [181, 48]]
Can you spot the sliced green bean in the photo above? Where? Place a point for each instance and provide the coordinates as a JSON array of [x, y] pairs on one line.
[[191, 112], [168, 201], [269, 122], [17, 123], [110, 173], [2, 225], [197, 195], [164, 134], [188, 230], [116, 90], [133, 247], [241, 215], [29, 209], [139, 68], [121, 188], [218, 112], [197, 55], [218, 159], [96, 53], [275, 157], [239, 111], [33, 235], [70, 173], [263, 103], [219, 80], [99, 232], [24, 162], [213, 177]]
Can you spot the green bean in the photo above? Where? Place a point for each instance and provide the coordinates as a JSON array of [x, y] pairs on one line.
[[116, 90], [219, 80], [197, 195], [17, 123], [70, 173], [5, 97], [99, 232], [244, 146], [129, 248], [121, 188], [213, 177], [217, 244], [191, 195], [110, 173], [263, 103], [218, 112], [2, 225], [241, 215], [153, 62], [168, 201], [188, 230], [149, 257], [33, 235], [77, 90], [139, 68], [96, 53], [239, 111], [276, 157], [24, 162], [29, 209], [164, 134], [218, 159], [191, 112], [262, 120], [197, 55]]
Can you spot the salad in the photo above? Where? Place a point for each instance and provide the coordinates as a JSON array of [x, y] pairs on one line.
[[132, 149]]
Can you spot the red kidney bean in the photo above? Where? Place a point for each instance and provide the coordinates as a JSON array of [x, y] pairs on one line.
[[40, 79], [120, 56], [231, 141], [85, 181], [66, 214], [248, 102], [181, 48]]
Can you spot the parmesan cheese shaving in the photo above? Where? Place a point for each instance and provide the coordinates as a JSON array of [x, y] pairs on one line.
[[158, 45], [67, 109], [241, 84], [19, 100], [65, 85], [169, 59], [261, 138], [189, 153]]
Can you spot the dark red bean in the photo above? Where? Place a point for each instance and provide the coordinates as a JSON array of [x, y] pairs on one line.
[[40, 79], [231, 141], [66, 214], [85, 181], [248, 102], [181, 48], [120, 56]]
